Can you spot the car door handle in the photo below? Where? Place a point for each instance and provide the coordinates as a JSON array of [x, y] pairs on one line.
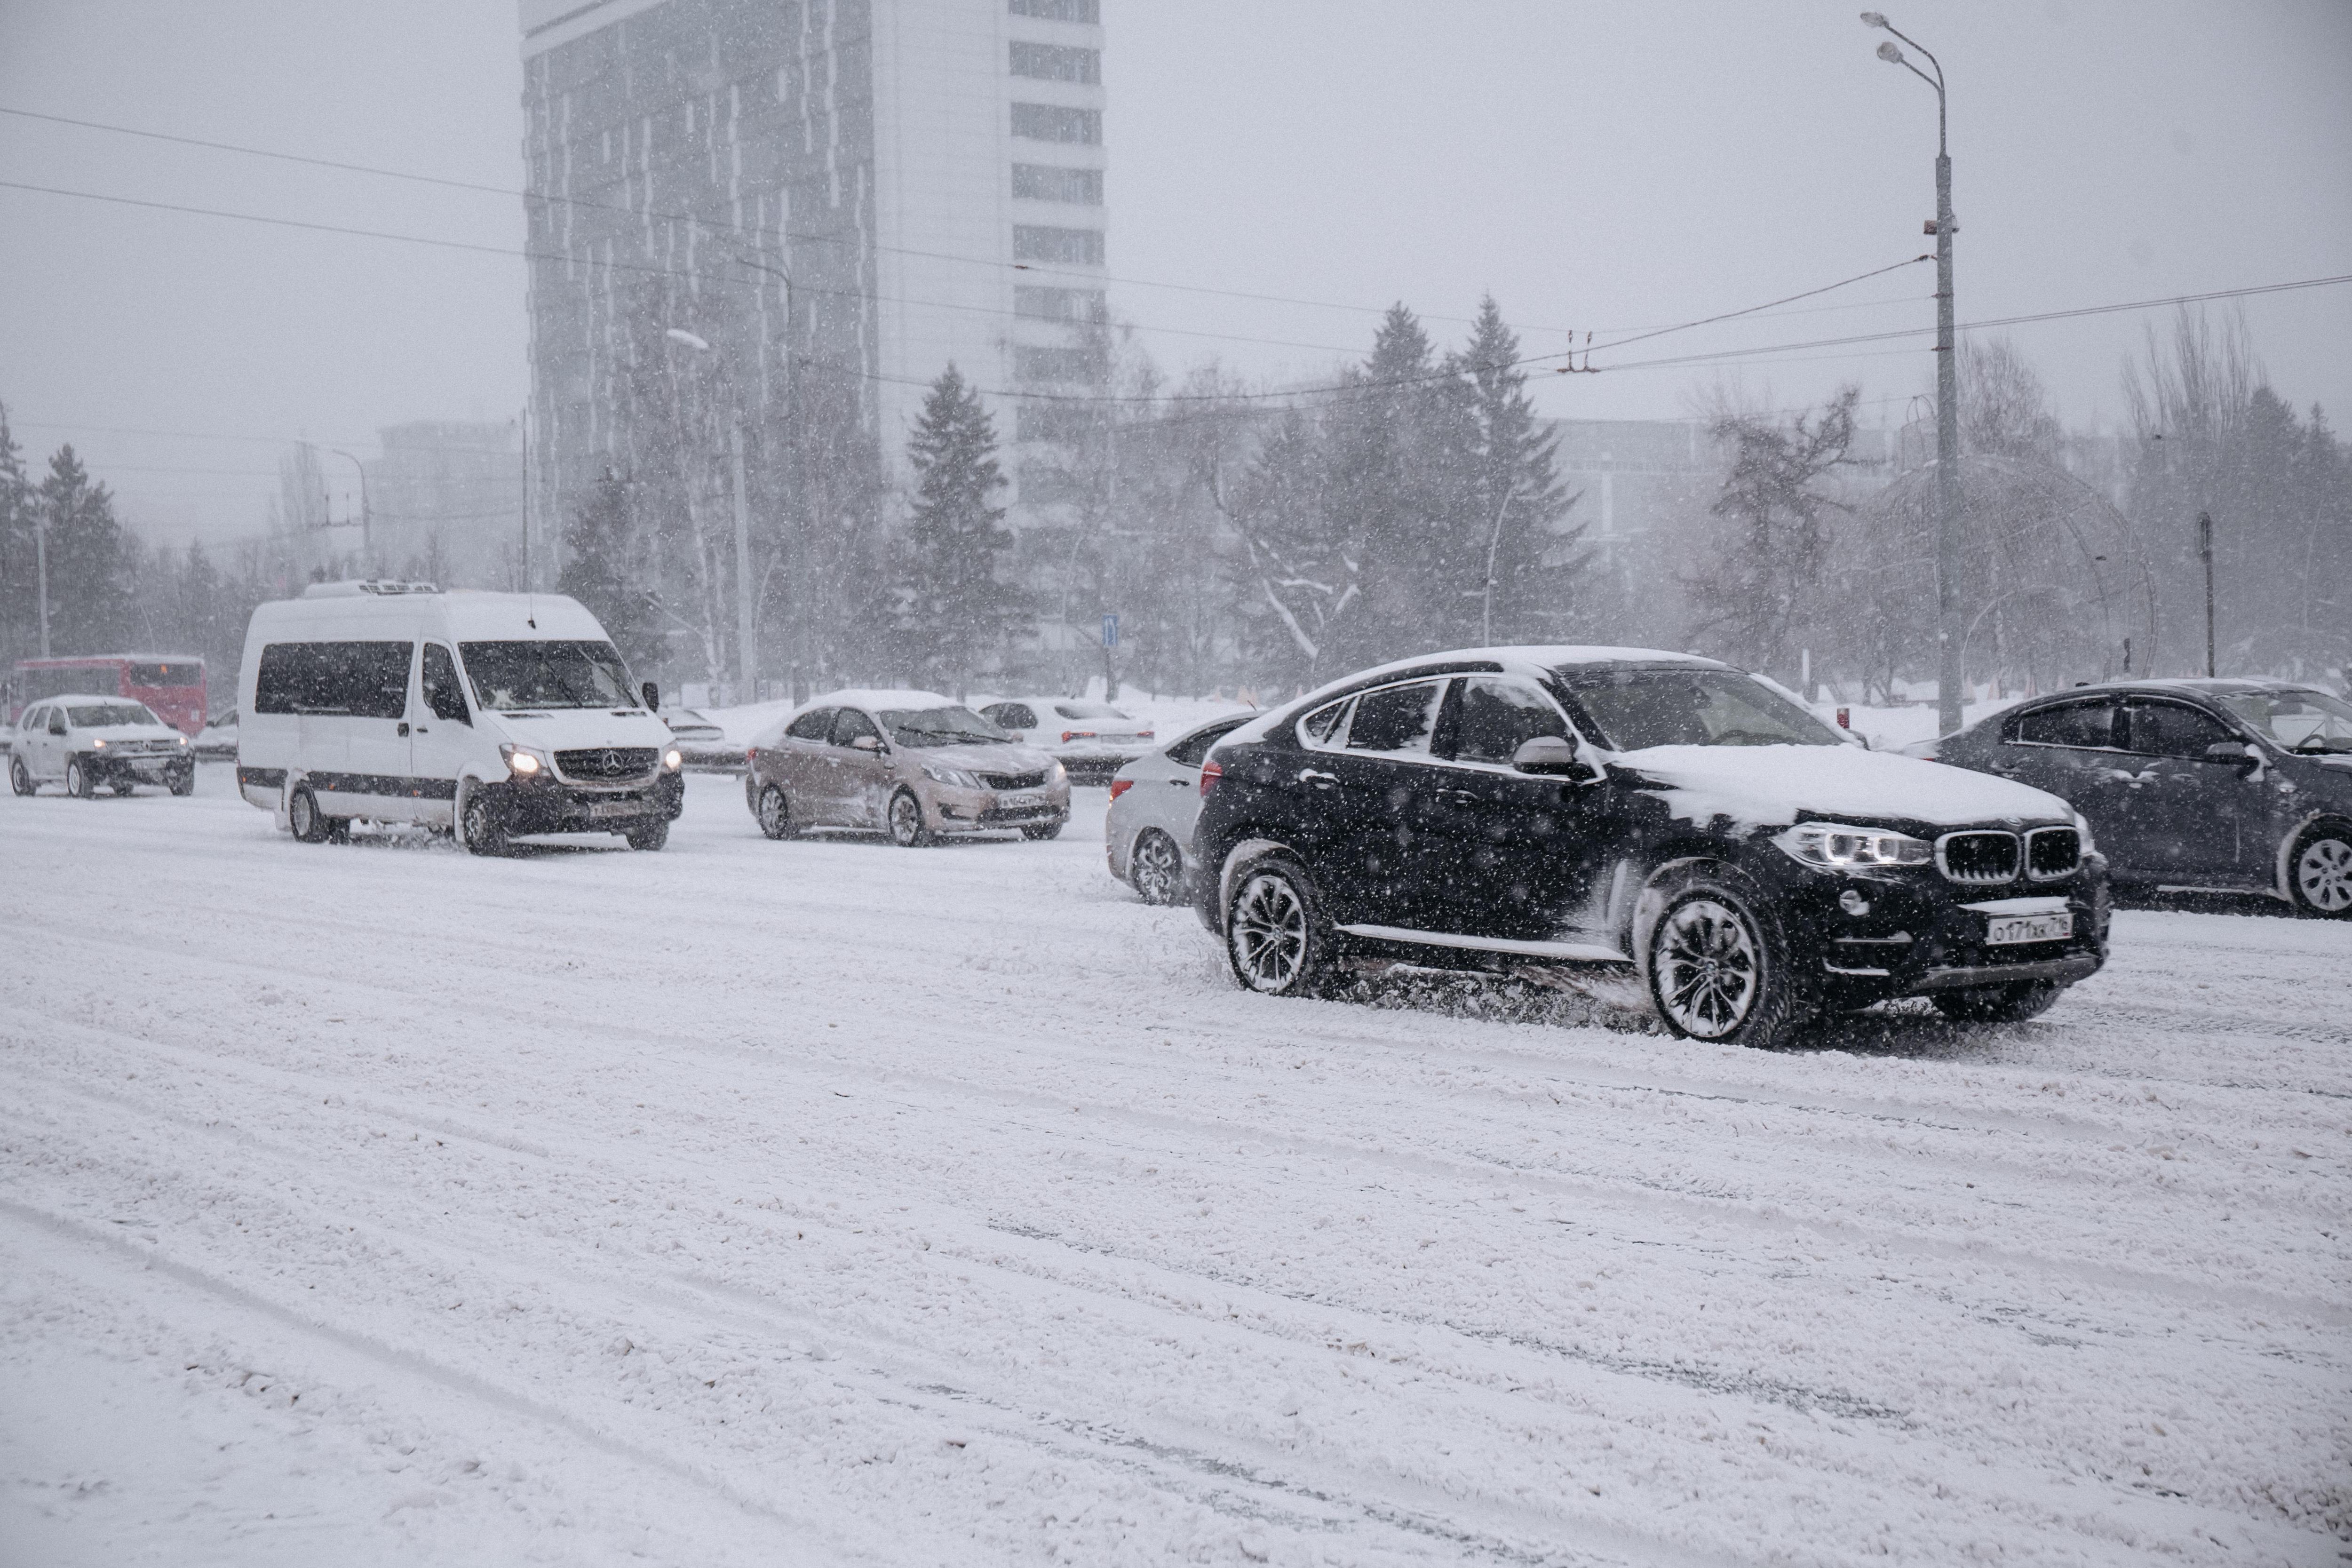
[[1461, 798], [420, 728], [1317, 777], [1185, 784]]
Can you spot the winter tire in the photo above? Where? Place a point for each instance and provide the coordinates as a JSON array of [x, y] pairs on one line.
[[20, 778], [652, 836], [1718, 968], [303, 815], [1276, 938], [775, 814], [906, 819], [2319, 870], [78, 784], [2011, 1003], [1043, 831], [1156, 867], [184, 783], [479, 827]]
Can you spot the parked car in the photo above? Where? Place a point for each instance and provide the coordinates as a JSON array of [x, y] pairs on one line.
[[217, 742], [1656, 814], [913, 765], [2243, 785], [1091, 740], [90, 743], [494, 715], [1154, 801], [703, 744]]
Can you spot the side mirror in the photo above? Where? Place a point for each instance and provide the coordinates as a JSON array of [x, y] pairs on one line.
[[2234, 752], [1551, 755], [866, 743], [652, 694]]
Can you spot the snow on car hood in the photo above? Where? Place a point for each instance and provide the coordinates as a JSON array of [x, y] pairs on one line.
[[576, 728], [1776, 786]]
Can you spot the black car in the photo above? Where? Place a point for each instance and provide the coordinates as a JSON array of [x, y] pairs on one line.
[[1665, 816], [2243, 785]]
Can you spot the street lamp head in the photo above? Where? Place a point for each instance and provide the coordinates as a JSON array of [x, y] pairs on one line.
[[1886, 52], [1873, 19], [681, 335]]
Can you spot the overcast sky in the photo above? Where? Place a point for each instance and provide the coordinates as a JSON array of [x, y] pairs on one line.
[[1595, 166]]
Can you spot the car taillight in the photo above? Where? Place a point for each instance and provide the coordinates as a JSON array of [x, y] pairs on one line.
[[1120, 787], [1069, 735], [750, 754], [1143, 734], [1210, 774]]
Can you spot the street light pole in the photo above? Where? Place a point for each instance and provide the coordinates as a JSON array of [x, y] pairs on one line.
[[1948, 633], [367, 544], [41, 569], [747, 641]]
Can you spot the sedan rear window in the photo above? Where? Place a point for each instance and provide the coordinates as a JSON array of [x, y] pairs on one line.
[[1088, 711], [1637, 707]]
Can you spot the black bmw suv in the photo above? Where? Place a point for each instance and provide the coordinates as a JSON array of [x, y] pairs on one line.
[[1663, 815]]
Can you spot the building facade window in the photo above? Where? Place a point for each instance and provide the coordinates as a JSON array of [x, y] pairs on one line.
[[1088, 11], [1060, 304], [1055, 62], [1052, 123], [1032, 366], [1074, 247], [1042, 183]]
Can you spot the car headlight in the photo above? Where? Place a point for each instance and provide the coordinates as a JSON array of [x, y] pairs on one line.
[[183, 740], [1835, 847], [673, 758], [955, 778], [1055, 772], [100, 744], [523, 761]]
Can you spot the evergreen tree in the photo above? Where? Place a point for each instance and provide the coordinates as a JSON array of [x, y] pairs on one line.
[[92, 567], [1515, 501], [19, 631], [601, 570], [954, 615]]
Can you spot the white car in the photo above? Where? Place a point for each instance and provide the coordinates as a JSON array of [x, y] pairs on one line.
[[1148, 833], [1091, 740], [88, 744]]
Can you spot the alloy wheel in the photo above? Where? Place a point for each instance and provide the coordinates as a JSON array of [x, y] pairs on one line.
[[1155, 868], [2323, 875], [1708, 968], [775, 816], [1268, 934], [906, 820]]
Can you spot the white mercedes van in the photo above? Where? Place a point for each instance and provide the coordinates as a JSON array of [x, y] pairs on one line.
[[490, 714]]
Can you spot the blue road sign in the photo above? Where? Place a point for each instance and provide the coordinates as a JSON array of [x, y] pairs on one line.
[[1110, 629]]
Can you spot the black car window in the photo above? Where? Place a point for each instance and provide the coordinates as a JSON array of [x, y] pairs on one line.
[[1326, 724], [359, 679], [849, 725], [2089, 725], [1497, 717], [1011, 715], [2296, 721], [56, 721], [443, 693], [2174, 729], [1194, 748], [1397, 720], [813, 725]]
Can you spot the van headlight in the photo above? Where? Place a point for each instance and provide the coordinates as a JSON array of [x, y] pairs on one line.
[[954, 778], [673, 758], [524, 762], [1835, 847]]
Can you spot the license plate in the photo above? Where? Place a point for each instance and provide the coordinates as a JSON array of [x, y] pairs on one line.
[[2010, 930], [615, 808], [1021, 799]]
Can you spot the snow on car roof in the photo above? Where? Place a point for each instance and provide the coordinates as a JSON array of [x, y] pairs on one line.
[[878, 696]]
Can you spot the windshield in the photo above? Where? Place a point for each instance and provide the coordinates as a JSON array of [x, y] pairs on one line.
[[107, 715], [2311, 722], [941, 727], [507, 676], [1638, 708]]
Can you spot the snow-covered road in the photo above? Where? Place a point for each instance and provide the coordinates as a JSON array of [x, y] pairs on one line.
[[815, 1202]]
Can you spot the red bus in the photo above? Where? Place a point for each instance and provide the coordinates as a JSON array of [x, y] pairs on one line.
[[172, 684]]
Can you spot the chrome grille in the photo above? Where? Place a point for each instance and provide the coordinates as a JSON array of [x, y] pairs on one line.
[[1012, 780], [1978, 859], [2052, 853], [607, 762]]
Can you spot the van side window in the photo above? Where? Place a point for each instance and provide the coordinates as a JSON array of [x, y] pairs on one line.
[[355, 679], [811, 725], [443, 694]]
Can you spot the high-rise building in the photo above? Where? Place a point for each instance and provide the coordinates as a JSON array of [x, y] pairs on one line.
[[761, 214]]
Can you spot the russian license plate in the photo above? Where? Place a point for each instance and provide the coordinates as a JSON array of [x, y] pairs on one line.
[[2007, 930], [1021, 800], [614, 808]]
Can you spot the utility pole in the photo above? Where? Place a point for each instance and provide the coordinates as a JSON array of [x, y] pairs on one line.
[[41, 569], [1949, 632], [747, 615], [2205, 554], [367, 542]]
